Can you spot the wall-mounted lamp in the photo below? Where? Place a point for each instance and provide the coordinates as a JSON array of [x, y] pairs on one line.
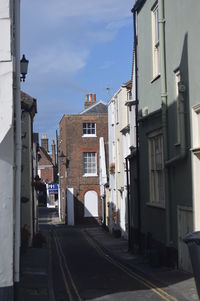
[[23, 67], [64, 159]]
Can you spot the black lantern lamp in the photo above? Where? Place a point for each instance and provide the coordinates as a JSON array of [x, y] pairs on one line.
[[62, 157], [23, 67]]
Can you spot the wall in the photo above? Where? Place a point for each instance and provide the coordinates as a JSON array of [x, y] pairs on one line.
[[6, 152], [26, 182]]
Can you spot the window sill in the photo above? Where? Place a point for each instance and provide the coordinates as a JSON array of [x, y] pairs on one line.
[[156, 205], [89, 136], [90, 175], [155, 78], [177, 144], [196, 152]]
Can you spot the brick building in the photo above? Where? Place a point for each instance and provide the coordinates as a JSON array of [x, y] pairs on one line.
[[79, 161], [47, 161]]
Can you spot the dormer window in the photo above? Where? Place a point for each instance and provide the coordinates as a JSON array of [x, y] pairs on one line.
[[89, 129]]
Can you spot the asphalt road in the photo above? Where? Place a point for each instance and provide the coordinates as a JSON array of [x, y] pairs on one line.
[[81, 270]]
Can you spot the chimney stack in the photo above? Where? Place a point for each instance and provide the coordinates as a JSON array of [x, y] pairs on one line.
[[53, 152], [90, 99], [45, 143]]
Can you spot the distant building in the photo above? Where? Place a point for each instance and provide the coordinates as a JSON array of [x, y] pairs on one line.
[[28, 196], [47, 165], [119, 149], [79, 162]]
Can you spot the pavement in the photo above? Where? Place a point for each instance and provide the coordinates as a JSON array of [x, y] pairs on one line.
[[173, 279], [36, 274]]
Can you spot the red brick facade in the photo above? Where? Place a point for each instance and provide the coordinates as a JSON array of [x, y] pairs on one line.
[[73, 144]]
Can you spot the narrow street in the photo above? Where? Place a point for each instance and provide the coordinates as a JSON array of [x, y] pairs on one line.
[[82, 270]]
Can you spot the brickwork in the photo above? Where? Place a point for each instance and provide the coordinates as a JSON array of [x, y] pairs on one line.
[[73, 145], [47, 174]]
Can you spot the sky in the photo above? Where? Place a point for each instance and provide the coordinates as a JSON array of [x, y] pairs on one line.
[[74, 47]]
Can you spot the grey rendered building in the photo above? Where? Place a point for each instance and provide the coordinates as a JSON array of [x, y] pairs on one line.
[[167, 86]]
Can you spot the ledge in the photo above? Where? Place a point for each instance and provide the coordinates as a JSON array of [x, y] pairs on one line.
[[156, 205], [155, 78], [196, 152]]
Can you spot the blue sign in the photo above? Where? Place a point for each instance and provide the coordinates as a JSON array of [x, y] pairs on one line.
[[53, 188]]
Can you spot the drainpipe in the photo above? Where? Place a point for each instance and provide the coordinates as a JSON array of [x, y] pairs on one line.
[[18, 148], [164, 111], [128, 201], [181, 116], [137, 126]]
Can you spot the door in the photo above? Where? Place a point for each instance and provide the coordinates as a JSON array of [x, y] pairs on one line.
[[91, 204], [185, 225]]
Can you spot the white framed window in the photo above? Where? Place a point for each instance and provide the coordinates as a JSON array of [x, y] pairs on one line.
[[90, 164], [155, 41], [89, 129], [156, 169], [177, 76]]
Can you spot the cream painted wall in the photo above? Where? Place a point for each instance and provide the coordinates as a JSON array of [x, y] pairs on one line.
[[6, 148], [117, 143]]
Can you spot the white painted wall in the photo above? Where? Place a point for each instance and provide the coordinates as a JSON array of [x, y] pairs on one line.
[[111, 152], [70, 206], [7, 150], [118, 119]]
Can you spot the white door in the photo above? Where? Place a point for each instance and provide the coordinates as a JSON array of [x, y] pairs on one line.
[[70, 206], [91, 204], [122, 212], [185, 225]]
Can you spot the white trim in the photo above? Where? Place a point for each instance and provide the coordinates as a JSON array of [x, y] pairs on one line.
[[87, 175], [177, 79], [196, 164], [89, 136], [155, 41], [156, 169], [44, 166], [89, 161]]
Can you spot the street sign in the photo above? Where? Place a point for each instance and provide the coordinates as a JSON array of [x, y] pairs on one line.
[[53, 188]]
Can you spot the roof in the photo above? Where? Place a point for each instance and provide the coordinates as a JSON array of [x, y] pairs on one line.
[[138, 5], [128, 84], [99, 107], [45, 158], [28, 103]]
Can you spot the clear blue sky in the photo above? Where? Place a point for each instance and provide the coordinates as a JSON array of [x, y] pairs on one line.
[[74, 47]]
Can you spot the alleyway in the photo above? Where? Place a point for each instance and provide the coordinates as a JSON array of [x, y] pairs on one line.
[[82, 270]]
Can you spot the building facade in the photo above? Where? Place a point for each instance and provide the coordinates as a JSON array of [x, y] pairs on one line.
[[79, 162], [167, 88], [119, 149], [47, 170], [28, 196], [10, 147]]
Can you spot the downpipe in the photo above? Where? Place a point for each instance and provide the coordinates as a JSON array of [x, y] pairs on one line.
[[164, 112], [18, 148]]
